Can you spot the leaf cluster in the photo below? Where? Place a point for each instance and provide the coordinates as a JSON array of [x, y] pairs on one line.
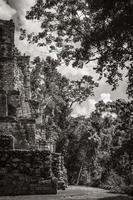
[[84, 31]]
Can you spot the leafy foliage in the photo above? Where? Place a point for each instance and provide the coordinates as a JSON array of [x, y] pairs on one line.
[[115, 152], [102, 144], [82, 147], [80, 32], [56, 95], [83, 31]]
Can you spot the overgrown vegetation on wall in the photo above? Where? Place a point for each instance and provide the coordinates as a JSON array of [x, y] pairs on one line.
[[98, 147], [56, 95]]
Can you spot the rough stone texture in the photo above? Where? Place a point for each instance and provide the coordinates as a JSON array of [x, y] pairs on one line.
[[59, 170], [3, 105], [14, 89], [26, 172], [25, 166], [6, 39], [29, 129], [20, 130], [6, 142], [7, 75], [15, 94], [8, 126], [23, 64]]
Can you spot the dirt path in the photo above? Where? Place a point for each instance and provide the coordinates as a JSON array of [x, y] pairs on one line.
[[74, 193]]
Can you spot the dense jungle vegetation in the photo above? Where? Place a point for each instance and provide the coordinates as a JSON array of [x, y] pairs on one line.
[[98, 150]]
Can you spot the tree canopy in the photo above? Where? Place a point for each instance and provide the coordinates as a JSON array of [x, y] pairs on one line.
[[56, 95], [88, 30], [102, 144]]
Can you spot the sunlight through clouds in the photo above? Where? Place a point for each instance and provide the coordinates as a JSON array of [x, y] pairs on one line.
[[106, 97]]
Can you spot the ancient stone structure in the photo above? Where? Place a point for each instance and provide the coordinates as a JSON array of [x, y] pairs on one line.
[[20, 128], [15, 112], [26, 172]]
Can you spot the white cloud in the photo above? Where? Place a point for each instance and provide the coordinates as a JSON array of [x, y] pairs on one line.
[[84, 108], [6, 12], [30, 49], [109, 114], [21, 6], [16, 10], [87, 107], [106, 97], [30, 26], [77, 73]]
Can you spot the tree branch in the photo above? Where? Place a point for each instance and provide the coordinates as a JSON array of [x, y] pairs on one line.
[[93, 59]]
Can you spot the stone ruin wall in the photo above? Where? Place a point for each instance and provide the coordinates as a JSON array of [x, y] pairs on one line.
[[25, 172], [23, 168], [16, 105], [15, 110], [29, 172]]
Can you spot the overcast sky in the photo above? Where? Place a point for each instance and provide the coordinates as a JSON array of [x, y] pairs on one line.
[[16, 10]]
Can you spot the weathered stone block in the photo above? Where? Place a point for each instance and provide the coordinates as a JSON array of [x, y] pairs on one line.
[[6, 142], [26, 172], [59, 171]]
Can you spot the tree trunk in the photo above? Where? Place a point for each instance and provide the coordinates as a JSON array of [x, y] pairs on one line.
[[79, 174]]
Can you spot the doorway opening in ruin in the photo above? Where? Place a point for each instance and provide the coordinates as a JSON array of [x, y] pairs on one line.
[[11, 110], [1, 35]]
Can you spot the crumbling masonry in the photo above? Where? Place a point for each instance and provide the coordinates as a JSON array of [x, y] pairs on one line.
[[26, 165]]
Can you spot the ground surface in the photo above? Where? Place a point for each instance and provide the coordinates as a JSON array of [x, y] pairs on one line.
[[74, 193]]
